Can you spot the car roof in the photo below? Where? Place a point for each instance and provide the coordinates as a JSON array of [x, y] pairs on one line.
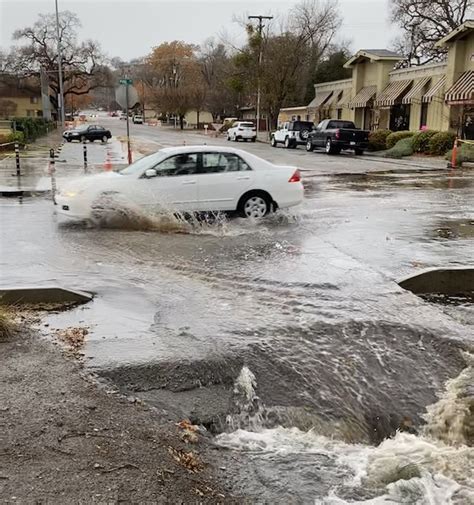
[[200, 149]]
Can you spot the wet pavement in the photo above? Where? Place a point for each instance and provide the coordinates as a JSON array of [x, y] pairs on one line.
[[258, 329]]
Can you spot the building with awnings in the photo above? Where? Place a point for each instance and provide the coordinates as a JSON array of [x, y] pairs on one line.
[[437, 96]]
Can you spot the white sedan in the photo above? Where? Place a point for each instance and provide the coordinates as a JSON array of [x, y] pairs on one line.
[[188, 179]]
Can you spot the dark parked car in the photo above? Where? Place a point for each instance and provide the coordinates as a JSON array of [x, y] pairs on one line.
[[87, 132], [334, 135]]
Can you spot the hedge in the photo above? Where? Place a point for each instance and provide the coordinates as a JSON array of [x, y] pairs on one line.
[[421, 140], [12, 137], [440, 143], [465, 154], [33, 127], [378, 140], [402, 148], [394, 137]]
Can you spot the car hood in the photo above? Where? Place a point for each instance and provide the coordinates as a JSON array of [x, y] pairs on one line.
[[96, 181]]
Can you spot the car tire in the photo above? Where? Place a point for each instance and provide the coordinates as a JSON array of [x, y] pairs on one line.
[[68, 140], [105, 139], [255, 205], [309, 146], [254, 139], [288, 143], [358, 152], [273, 142], [83, 138], [228, 138], [330, 149]]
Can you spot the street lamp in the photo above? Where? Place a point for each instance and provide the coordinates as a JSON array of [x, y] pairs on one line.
[[60, 70]]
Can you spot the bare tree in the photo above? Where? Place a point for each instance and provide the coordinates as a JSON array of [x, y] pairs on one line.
[[424, 22], [83, 63]]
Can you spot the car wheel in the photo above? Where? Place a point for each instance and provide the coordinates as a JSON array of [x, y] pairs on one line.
[[287, 142], [236, 139], [104, 139], [228, 138], [330, 149], [273, 142], [255, 205], [358, 152], [254, 139], [69, 140], [309, 146], [83, 138]]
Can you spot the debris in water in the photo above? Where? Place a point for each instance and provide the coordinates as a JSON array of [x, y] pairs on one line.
[[73, 337]]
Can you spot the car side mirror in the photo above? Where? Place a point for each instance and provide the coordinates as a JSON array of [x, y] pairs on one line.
[[150, 172]]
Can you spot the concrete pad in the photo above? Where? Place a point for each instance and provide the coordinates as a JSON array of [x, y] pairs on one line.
[[35, 295], [444, 281]]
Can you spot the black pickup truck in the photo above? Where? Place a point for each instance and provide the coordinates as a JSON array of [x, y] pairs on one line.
[[334, 135]]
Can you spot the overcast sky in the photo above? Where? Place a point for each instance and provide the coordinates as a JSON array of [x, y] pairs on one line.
[[130, 28]]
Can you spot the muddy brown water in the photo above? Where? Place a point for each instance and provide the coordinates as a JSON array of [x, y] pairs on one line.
[[305, 302]]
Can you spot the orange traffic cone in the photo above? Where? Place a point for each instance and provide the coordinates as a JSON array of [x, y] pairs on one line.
[[454, 153], [108, 163]]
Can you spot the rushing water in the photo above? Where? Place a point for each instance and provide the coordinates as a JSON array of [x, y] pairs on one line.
[[287, 465], [288, 338]]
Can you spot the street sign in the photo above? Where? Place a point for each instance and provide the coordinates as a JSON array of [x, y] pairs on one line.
[[126, 82], [121, 96]]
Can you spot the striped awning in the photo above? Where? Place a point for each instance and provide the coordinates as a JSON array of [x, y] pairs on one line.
[[336, 96], [435, 90], [392, 93], [462, 90], [415, 93], [319, 99], [343, 101], [363, 97]]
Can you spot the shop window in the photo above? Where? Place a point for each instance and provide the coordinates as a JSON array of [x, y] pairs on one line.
[[424, 115]]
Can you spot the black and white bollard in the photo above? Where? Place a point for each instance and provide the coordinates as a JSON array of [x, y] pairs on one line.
[[84, 151], [52, 171], [17, 160]]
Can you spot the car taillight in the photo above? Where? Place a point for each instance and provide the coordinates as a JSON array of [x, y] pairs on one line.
[[337, 134], [296, 177]]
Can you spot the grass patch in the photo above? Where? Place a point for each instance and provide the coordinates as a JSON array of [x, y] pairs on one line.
[[403, 147], [7, 325]]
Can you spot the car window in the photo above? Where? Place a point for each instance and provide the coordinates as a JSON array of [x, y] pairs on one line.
[[100, 128], [246, 125], [341, 124], [91, 128], [302, 125], [213, 163], [180, 164]]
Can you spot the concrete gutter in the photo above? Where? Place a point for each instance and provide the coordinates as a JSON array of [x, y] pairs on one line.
[[35, 295], [444, 281]]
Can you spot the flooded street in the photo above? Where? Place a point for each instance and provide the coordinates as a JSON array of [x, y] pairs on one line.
[[288, 338]]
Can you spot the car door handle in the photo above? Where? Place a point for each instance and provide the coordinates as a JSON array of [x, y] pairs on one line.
[[243, 177], [188, 182]]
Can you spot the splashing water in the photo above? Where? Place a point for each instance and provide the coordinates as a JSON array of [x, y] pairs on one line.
[[115, 213], [433, 468]]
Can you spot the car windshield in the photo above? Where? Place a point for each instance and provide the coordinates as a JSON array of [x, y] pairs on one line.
[[341, 124], [142, 164], [82, 127]]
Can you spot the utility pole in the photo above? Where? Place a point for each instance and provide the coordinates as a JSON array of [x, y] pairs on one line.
[[260, 28], [61, 112]]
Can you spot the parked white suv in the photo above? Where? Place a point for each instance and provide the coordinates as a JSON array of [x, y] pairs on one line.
[[242, 130], [292, 134]]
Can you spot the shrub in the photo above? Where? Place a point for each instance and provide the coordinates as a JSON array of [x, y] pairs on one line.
[[441, 143], [421, 140], [16, 137], [33, 127], [378, 140], [394, 137], [402, 148], [7, 325], [465, 154]]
